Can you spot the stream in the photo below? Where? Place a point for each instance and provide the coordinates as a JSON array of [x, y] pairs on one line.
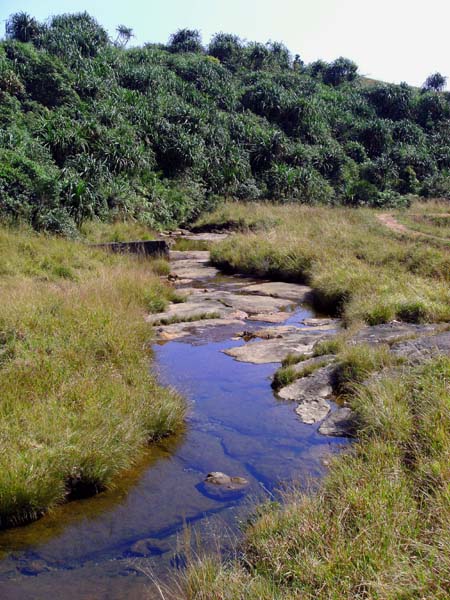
[[112, 546]]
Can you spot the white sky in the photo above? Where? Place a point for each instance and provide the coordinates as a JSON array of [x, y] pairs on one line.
[[392, 40]]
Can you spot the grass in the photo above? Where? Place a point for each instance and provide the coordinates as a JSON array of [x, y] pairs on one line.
[[378, 526], [98, 232], [190, 319], [356, 267], [77, 403], [288, 373], [431, 218], [236, 217]]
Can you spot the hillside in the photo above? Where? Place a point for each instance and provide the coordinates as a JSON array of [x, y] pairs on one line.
[[90, 128]]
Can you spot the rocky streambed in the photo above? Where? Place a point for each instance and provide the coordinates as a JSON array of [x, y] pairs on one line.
[[220, 347]]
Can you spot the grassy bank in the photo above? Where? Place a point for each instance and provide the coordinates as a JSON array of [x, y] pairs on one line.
[[378, 526], [77, 402], [356, 267]]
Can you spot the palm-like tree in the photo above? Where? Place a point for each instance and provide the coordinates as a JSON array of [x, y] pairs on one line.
[[22, 27], [124, 34]]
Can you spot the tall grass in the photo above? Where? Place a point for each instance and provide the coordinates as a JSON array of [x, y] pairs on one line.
[[77, 401], [357, 268]]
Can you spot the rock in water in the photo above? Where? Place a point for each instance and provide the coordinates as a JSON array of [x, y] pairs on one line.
[[312, 411], [340, 423], [231, 483]]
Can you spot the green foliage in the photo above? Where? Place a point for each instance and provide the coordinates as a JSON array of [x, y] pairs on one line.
[[156, 133]]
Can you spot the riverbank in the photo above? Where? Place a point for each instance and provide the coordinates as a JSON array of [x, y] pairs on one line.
[[378, 525], [77, 403]]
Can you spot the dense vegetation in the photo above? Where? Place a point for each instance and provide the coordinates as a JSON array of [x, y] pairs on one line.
[[77, 401], [90, 128]]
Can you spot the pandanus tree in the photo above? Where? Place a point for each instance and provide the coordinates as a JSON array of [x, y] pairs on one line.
[[436, 82], [22, 27], [124, 35]]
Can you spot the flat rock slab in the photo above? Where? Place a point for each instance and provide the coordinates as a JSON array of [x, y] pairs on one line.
[[271, 317], [271, 351], [192, 269], [389, 332], [197, 255], [292, 291], [322, 323], [341, 423], [310, 388], [182, 330], [254, 304], [313, 411], [187, 311], [425, 348]]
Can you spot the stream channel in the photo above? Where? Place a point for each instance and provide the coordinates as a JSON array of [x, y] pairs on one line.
[[112, 546]]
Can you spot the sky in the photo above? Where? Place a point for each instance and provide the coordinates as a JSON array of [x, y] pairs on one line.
[[391, 40]]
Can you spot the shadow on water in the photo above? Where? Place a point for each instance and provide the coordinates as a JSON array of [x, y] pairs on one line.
[[98, 548]]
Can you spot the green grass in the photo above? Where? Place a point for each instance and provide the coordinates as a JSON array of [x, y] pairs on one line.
[[431, 218], [98, 232], [356, 267], [191, 319], [77, 402], [378, 526], [289, 373]]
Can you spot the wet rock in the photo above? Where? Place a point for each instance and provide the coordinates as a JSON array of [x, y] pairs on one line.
[[313, 411], [231, 483], [422, 349], [271, 351], [201, 327], [34, 567], [310, 388], [341, 423], [273, 317], [291, 291]]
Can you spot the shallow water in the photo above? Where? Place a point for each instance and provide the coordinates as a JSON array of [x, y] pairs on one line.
[[98, 548]]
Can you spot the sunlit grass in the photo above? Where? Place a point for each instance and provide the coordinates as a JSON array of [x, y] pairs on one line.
[[77, 401], [356, 268]]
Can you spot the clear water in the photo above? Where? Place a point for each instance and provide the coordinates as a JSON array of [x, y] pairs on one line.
[[105, 547]]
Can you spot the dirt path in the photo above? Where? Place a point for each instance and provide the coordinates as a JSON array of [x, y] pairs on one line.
[[389, 221]]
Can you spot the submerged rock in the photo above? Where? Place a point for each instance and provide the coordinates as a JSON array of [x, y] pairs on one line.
[[341, 423], [146, 547], [231, 483]]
